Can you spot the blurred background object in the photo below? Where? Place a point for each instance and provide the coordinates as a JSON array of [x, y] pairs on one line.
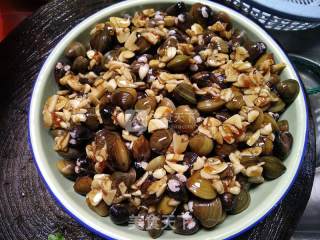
[[287, 15], [309, 71], [309, 226], [12, 12]]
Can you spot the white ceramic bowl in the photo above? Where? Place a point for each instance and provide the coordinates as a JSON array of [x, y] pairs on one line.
[[264, 197]]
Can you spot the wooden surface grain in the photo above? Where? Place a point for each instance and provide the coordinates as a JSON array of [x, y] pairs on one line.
[[27, 210]]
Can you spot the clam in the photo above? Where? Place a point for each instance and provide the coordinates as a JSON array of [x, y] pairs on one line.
[[222, 17], [239, 37], [102, 40], [75, 49], [227, 173], [186, 224], [243, 180], [119, 214], [202, 14], [267, 118], [164, 208], [282, 144], [183, 22], [274, 79], [176, 9], [242, 201], [277, 107], [82, 185], [207, 36], [288, 90], [124, 97], [101, 209], [83, 166], [255, 50], [209, 213], [200, 187], [66, 168], [183, 94], [92, 121], [118, 154], [128, 178], [111, 55], [283, 125], [137, 122], [80, 136], [266, 144], [201, 144], [140, 221], [228, 201], [145, 103], [80, 65], [150, 200], [141, 149], [166, 102], [220, 44], [142, 43], [176, 188], [236, 103], [267, 148], [273, 167], [160, 140], [203, 79], [179, 63], [106, 115], [264, 57], [183, 119], [207, 79], [223, 150], [248, 161], [169, 42], [139, 167], [155, 225], [181, 36], [189, 158], [210, 105]]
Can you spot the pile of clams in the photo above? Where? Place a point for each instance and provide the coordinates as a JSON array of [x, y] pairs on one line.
[[166, 118]]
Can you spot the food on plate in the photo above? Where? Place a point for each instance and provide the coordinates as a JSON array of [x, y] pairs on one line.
[[169, 116]]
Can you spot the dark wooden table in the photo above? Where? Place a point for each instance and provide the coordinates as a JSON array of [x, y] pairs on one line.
[[27, 211]]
